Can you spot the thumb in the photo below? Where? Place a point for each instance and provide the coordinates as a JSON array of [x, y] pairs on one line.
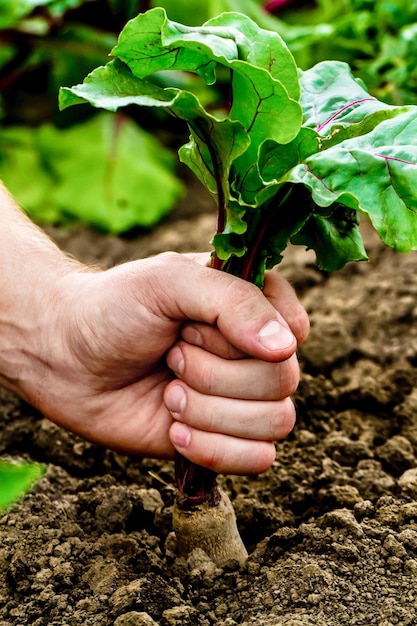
[[239, 309]]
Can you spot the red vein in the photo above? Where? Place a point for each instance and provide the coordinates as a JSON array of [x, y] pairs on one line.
[[389, 158], [321, 126]]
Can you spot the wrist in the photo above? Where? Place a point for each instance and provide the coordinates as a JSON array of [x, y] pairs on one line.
[[32, 298], [29, 311]]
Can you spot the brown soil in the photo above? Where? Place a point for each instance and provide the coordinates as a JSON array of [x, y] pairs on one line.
[[331, 529]]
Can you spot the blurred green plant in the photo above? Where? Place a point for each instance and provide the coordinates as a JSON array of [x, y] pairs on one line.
[[16, 479], [110, 171], [105, 171]]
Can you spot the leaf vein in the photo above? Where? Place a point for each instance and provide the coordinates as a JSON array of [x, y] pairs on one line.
[[340, 111], [390, 158]]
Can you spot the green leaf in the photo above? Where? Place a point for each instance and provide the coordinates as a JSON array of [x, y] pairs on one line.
[[259, 48], [351, 154], [375, 174], [264, 87], [335, 239], [275, 160], [289, 213], [20, 161], [114, 86], [212, 148], [102, 172], [228, 245], [11, 11], [119, 179], [265, 82], [337, 105], [262, 179], [142, 48], [215, 142], [16, 479], [269, 229]]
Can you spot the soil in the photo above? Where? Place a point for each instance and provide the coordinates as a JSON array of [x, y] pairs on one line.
[[331, 528]]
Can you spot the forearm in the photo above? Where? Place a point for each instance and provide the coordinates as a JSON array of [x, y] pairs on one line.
[[32, 267]]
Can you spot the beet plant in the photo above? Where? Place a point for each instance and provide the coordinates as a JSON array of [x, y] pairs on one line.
[[291, 157]]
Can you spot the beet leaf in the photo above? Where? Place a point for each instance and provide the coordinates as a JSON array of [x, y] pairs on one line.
[[291, 156]]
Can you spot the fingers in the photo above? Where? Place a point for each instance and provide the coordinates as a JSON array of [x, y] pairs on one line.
[[228, 408], [221, 453], [250, 379], [227, 413], [211, 339], [248, 419]]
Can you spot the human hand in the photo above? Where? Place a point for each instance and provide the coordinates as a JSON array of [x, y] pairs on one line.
[[111, 340]]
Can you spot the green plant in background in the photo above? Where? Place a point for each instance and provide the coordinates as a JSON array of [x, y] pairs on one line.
[[16, 479], [101, 171], [98, 170], [294, 156]]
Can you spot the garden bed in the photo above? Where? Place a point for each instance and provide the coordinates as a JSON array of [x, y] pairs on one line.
[[331, 528]]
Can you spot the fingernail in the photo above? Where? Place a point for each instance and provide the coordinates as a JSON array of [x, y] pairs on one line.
[[191, 335], [175, 400], [275, 336], [180, 435], [175, 360]]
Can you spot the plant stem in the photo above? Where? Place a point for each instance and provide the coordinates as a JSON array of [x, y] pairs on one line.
[[202, 132], [248, 267], [197, 484]]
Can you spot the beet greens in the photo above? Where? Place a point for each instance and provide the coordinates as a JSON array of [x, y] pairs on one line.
[[293, 157]]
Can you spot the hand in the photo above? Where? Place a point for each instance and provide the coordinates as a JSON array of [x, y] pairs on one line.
[[118, 362]]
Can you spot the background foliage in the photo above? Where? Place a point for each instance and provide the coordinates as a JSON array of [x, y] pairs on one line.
[[68, 166]]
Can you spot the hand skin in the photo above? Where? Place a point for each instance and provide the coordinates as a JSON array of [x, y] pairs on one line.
[[150, 355]]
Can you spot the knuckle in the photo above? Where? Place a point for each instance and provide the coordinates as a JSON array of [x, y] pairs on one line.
[[205, 415], [282, 420], [240, 294], [206, 379], [199, 370], [170, 257], [283, 379]]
